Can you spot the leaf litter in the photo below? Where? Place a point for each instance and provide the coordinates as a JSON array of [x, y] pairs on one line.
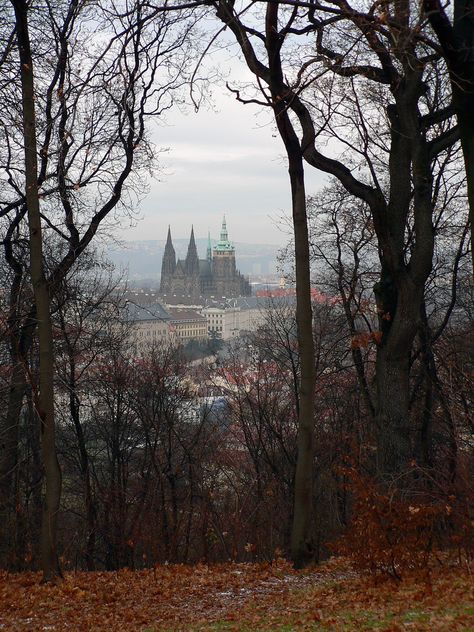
[[236, 597]]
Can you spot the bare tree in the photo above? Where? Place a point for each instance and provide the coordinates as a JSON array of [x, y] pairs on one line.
[[87, 312], [84, 136], [45, 395], [375, 102], [272, 74]]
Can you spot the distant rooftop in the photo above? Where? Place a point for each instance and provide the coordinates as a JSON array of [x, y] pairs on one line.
[[186, 315], [136, 313]]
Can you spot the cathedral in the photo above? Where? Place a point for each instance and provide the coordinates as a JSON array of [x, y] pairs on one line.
[[213, 277]]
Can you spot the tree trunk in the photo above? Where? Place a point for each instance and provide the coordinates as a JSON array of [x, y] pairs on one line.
[[9, 458], [302, 546], [392, 374], [89, 503], [45, 400], [456, 36], [392, 414]]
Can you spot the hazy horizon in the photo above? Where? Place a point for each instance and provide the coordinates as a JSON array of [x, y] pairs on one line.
[[226, 160]]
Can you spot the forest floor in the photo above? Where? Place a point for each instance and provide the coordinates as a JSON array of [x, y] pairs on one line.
[[238, 597]]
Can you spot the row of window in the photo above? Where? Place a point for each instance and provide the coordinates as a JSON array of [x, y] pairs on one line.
[[151, 334]]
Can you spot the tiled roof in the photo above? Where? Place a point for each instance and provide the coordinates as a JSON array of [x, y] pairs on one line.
[[135, 313], [180, 315]]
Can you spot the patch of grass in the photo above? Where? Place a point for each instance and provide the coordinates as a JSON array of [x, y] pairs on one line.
[[345, 621], [413, 615]]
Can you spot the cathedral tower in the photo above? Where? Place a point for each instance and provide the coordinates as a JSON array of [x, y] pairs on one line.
[[192, 278], [223, 264], [168, 266], [192, 259]]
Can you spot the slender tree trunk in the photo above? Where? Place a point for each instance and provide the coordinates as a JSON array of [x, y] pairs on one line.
[[90, 508], [9, 457], [301, 541], [20, 344], [74, 409], [302, 545], [45, 405], [9, 422]]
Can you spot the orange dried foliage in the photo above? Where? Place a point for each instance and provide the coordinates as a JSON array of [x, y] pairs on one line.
[[362, 341], [395, 533], [247, 597]]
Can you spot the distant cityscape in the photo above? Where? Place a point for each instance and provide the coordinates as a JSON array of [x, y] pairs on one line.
[[177, 295]]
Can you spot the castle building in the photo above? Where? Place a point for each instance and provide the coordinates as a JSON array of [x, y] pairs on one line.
[[215, 276]]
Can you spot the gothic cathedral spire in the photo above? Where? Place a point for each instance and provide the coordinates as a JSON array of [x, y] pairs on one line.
[[168, 265], [209, 247], [192, 259]]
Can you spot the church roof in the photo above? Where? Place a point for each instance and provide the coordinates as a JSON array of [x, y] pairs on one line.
[[180, 268]]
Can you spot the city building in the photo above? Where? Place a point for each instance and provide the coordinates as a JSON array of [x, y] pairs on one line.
[[187, 324], [150, 326], [222, 321]]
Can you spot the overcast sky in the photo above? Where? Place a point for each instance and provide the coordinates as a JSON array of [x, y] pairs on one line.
[[225, 161]]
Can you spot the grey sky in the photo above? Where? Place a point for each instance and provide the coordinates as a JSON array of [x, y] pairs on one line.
[[225, 161]]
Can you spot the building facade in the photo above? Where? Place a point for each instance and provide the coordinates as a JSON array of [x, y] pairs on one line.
[[222, 322], [149, 327], [215, 276], [187, 324]]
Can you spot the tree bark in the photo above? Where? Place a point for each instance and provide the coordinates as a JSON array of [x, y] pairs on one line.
[[392, 414], [45, 397]]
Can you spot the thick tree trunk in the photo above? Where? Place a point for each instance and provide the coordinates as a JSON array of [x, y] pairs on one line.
[[392, 414], [45, 400], [461, 70], [456, 36], [399, 309]]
